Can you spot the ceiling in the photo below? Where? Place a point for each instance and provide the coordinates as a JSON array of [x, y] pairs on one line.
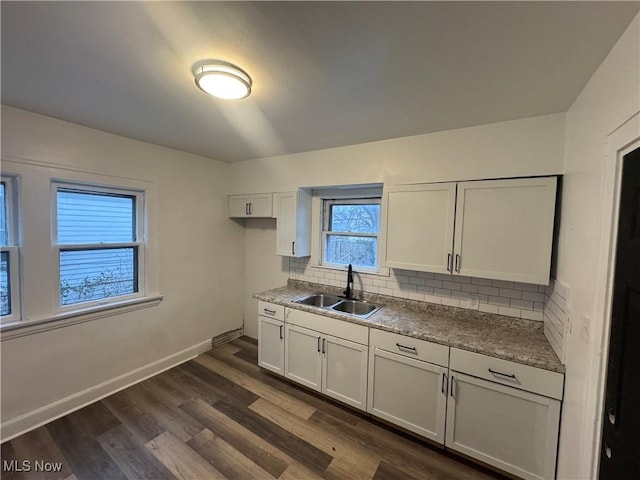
[[325, 74]]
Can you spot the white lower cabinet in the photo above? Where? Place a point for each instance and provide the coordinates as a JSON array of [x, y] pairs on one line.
[[271, 337], [409, 393], [509, 428], [324, 361]]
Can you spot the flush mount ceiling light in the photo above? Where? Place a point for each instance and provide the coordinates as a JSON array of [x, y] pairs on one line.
[[222, 79]]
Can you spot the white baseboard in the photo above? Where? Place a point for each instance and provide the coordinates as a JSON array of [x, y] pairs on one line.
[[28, 421]]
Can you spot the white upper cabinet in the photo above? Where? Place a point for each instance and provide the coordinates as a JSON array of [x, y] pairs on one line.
[[498, 229], [504, 229], [419, 223], [293, 224], [258, 205]]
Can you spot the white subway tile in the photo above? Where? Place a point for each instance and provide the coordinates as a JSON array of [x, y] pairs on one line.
[[538, 306], [441, 292], [462, 279], [434, 283], [408, 288], [416, 296], [433, 299], [527, 287], [502, 284], [481, 281], [385, 291], [400, 294], [524, 304], [373, 289], [485, 307], [505, 292], [422, 289], [380, 283], [489, 291], [425, 275], [443, 276], [416, 281], [451, 285], [499, 301], [533, 296], [451, 302], [530, 315], [510, 312], [542, 288], [402, 279], [468, 287], [460, 295]]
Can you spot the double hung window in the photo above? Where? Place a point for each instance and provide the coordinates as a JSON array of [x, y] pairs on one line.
[[350, 230], [9, 252], [99, 238]]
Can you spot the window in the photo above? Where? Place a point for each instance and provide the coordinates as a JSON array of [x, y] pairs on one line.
[[350, 232], [99, 237], [9, 253]]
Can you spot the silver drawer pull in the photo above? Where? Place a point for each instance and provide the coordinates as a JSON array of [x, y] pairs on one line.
[[270, 312], [405, 348], [508, 375]]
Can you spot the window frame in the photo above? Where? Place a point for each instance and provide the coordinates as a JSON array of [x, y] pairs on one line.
[[12, 248], [327, 203], [139, 245]]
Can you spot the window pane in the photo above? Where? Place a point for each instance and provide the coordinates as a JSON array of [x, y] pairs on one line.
[[345, 249], [355, 218], [87, 275], [95, 218], [4, 233], [5, 288]]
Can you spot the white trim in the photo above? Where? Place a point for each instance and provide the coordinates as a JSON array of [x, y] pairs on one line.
[[24, 328], [620, 142], [47, 413]]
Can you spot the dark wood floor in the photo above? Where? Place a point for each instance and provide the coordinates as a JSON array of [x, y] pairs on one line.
[[220, 416]]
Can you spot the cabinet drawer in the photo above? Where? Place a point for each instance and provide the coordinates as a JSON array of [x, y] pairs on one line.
[[410, 347], [531, 379], [271, 310], [329, 326]]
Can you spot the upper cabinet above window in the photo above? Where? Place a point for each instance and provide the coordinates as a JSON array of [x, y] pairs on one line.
[[498, 229]]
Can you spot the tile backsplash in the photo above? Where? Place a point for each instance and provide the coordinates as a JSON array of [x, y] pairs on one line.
[[513, 299], [556, 316]]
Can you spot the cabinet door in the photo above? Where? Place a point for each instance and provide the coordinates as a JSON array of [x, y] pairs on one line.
[[504, 229], [261, 205], [409, 393], [238, 205], [271, 344], [344, 371], [293, 224], [513, 430], [418, 225], [302, 357]]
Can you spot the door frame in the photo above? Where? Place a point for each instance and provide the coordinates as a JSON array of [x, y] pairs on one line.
[[621, 141]]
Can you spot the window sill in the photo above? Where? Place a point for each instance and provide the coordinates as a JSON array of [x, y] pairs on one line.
[[381, 272], [31, 327]]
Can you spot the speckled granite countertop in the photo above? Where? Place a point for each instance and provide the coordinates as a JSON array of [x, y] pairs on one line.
[[513, 339]]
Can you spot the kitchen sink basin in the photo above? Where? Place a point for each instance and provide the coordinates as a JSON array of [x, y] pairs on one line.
[[355, 307], [319, 300], [338, 304]]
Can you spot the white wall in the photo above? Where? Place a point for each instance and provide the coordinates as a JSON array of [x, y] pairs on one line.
[[526, 147], [610, 98], [199, 270]]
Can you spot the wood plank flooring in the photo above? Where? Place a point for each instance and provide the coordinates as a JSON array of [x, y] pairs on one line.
[[220, 416]]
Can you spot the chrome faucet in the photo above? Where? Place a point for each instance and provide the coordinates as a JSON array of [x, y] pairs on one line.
[[348, 293]]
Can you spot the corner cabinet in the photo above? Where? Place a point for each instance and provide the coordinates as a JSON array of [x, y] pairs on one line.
[[250, 206], [293, 223], [498, 229], [330, 357], [271, 337]]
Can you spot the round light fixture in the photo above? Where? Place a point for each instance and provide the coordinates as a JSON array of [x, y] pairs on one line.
[[222, 79]]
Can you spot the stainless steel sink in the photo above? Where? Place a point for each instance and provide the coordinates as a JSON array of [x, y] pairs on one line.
[[338, 304], [319, 300], [355, 307]]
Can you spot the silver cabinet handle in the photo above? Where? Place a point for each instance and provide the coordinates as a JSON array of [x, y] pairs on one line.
[[250, 213], [453, 380], [444, 384], [508, 375], [319, 344], [457, 262], [293, 248], [269, 312], [407, 349], [246, 209], [281, 335], [324, 346], [449, 266]]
